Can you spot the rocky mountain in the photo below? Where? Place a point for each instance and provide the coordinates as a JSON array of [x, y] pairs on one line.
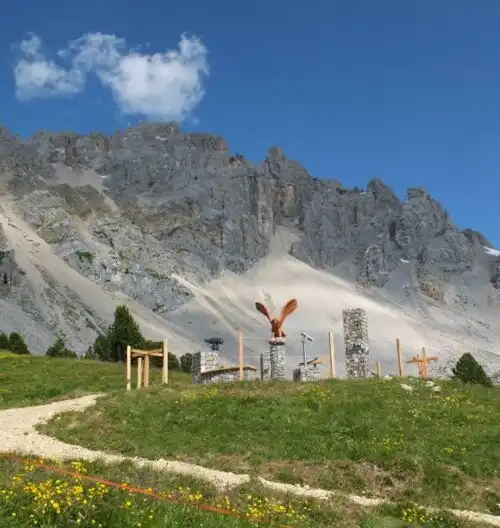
[[165, 220]]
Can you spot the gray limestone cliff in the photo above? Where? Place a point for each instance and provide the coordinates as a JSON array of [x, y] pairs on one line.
[[143, 210]]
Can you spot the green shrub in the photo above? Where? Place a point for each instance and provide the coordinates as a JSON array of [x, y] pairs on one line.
[[58, 349], [4, 341], [468, 370], [91, 354], [173, 362], [17, 344], [187, 362], [87, 255]]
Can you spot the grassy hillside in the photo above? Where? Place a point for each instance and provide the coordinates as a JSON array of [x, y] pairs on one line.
[[371, 437], [31, 496], [27, 380]]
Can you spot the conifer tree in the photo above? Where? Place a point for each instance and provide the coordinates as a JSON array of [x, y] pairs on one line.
[[468, 370]]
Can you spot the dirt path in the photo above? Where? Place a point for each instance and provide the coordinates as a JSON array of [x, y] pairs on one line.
[[18, 435]]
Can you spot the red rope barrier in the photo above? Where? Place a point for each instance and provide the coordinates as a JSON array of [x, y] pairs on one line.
[[134, 490]]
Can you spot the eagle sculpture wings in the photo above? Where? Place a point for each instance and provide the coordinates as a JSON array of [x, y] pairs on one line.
[[277, 323]]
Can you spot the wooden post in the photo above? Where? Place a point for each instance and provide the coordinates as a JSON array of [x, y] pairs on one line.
[[139, 373], [400, 357], [331, 344], [378, 369], [262, 367], [165, 363], [128, 368], [146, 371], [240, 354]]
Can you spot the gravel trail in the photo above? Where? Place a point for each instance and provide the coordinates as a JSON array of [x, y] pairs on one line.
[[18, 435]]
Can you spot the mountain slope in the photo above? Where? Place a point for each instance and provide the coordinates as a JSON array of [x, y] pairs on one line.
[[190, 236]]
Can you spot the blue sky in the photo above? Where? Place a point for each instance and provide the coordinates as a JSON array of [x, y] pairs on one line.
[[407, 91]]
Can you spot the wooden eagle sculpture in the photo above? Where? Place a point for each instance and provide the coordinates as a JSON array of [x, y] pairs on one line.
[[277, 323]]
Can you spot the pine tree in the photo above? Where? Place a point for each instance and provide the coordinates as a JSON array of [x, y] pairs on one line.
[[59, 349], [17, 344], [101, 349], [124, 331], [468, 370]]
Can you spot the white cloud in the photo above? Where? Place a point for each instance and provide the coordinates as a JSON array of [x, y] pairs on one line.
[[36, 76], [165, 85]]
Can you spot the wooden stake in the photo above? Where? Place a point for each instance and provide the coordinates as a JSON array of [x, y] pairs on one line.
[[128, 368], [400, 357], [146, 371], [165, 363], [262, 367], [139, 373], [240, 354], [378, 369], [331, 344]]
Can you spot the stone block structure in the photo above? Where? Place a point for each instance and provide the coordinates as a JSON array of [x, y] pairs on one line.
[[204, 361], [357, 352], [308, 373]]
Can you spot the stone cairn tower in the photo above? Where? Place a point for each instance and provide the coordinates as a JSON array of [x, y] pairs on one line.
[[273, 363], [357, 352]]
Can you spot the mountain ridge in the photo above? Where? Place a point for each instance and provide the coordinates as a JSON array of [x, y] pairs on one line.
[[151, 215]]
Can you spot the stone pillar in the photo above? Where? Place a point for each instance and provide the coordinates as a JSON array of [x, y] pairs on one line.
[[277, 359], [357, 352]]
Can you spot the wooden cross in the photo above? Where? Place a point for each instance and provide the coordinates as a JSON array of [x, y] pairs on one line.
[[422, 363]]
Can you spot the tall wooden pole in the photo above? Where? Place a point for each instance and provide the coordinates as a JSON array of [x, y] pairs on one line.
[[128, 368], [240, 354], [378, 369], [139, 373], [331, 346], [146, 371], [165, 363], [400, 357]]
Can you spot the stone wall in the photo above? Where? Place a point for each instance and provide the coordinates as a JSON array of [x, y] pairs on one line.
[[221, 376], [207, 368], [357, 352]]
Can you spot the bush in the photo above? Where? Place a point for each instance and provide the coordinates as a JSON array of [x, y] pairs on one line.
[[17, 344], [173, 362], [468, 370], [91, 354], [58, 349], [187, 363], [4, 341]]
